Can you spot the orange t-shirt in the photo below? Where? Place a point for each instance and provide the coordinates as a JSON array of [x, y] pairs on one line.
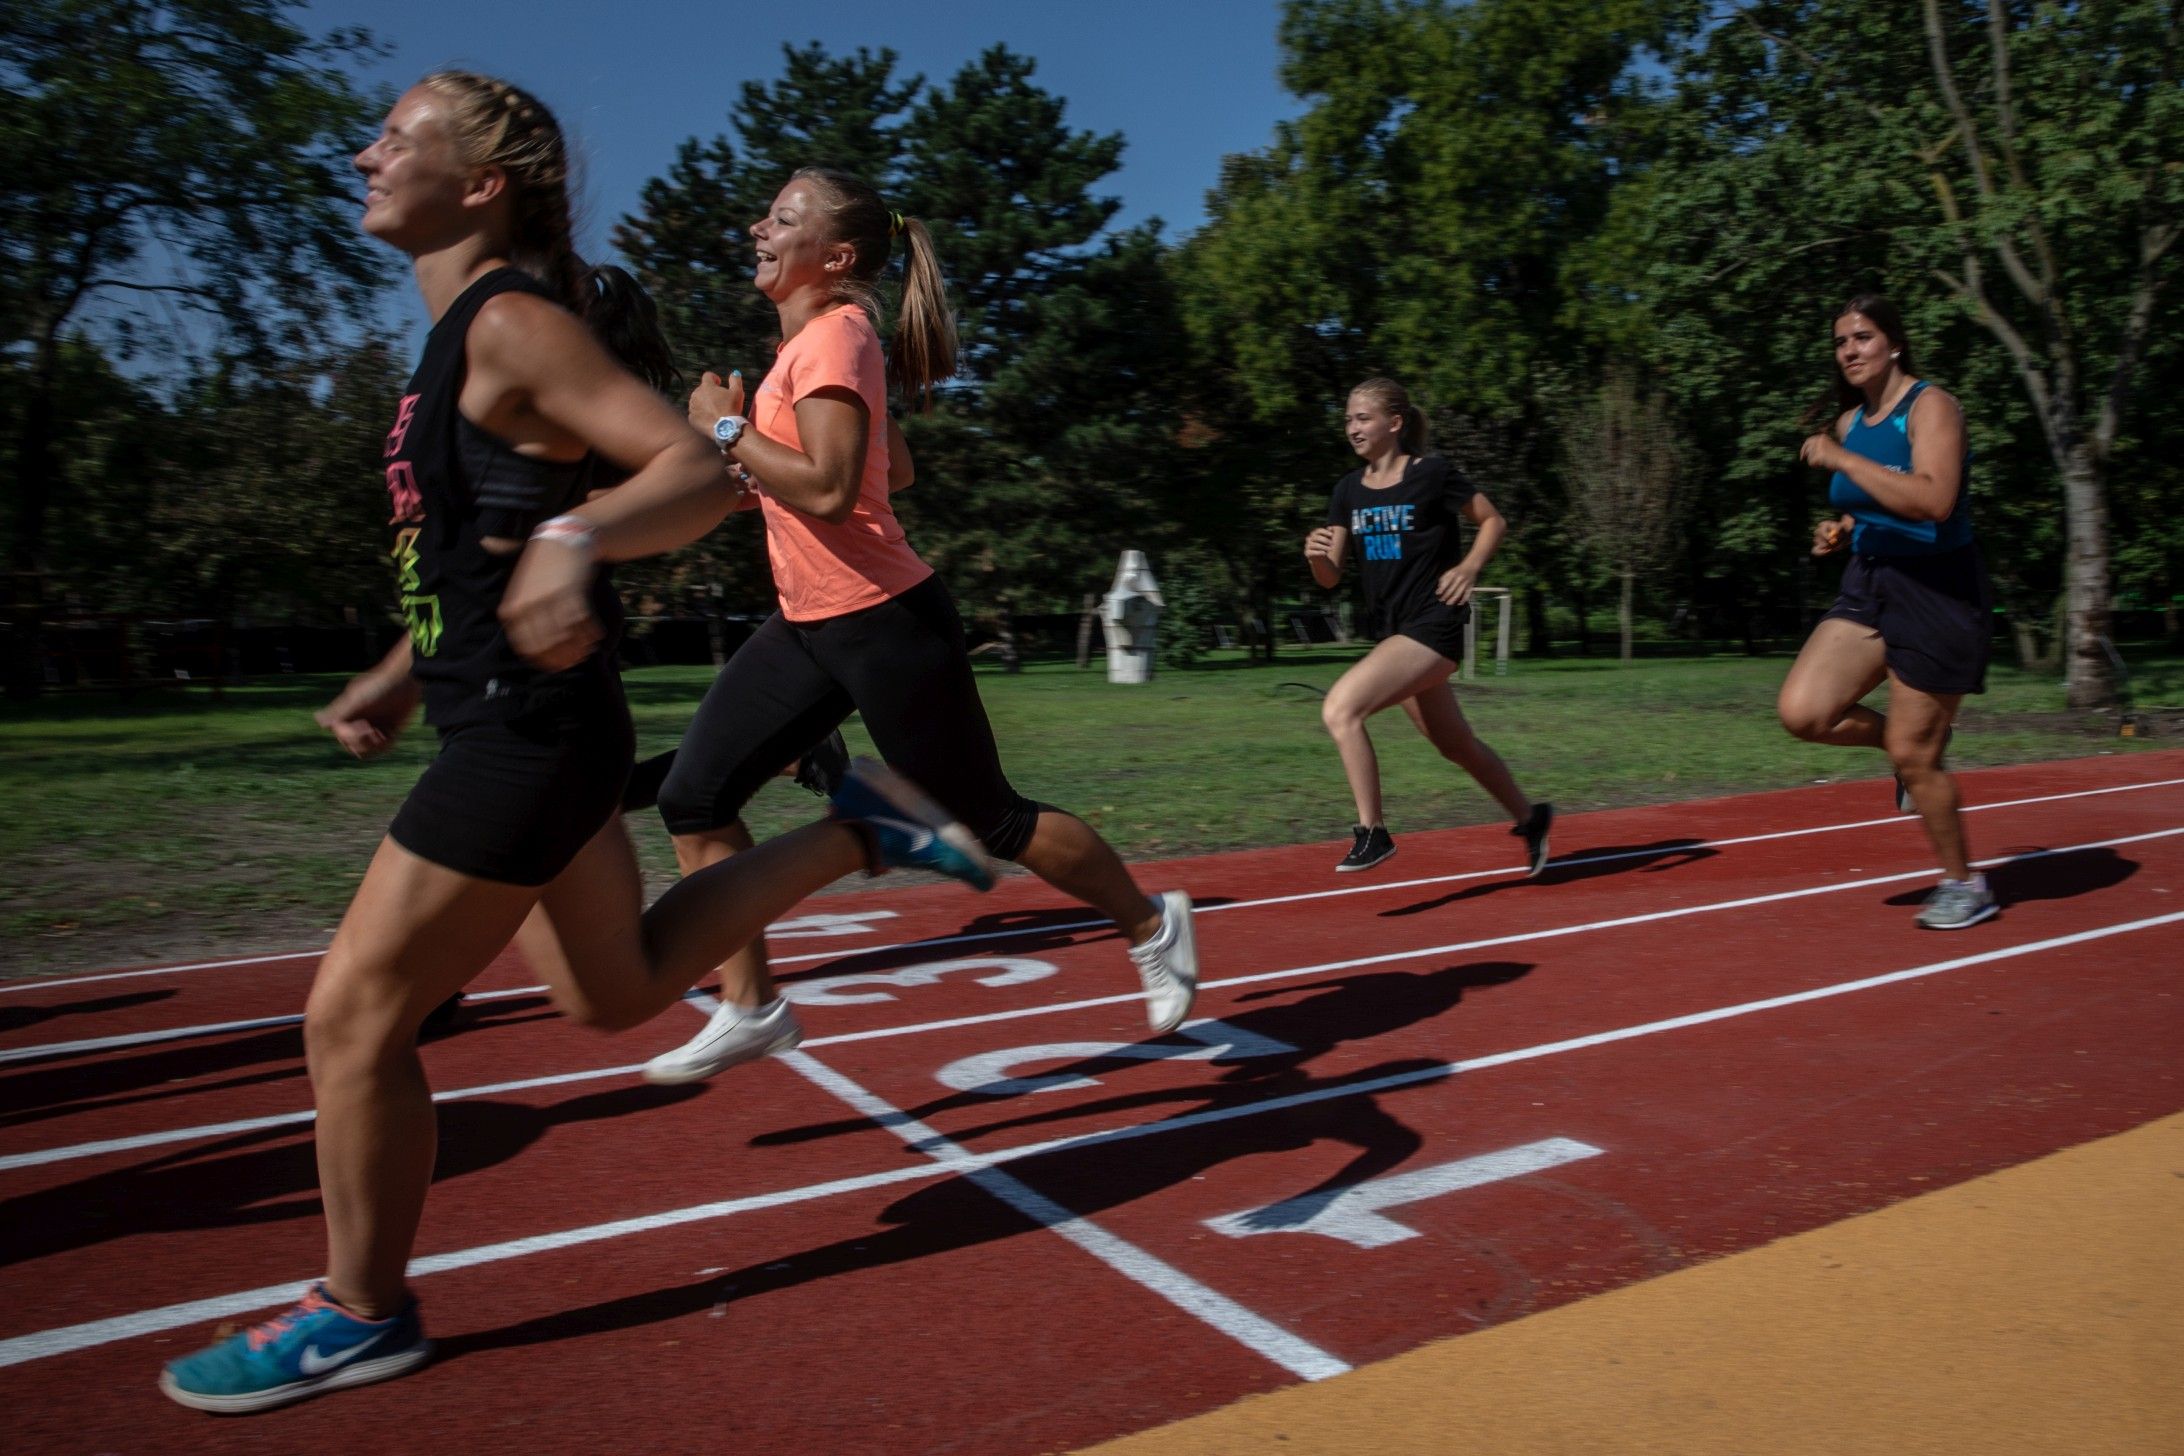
[[822, 569]]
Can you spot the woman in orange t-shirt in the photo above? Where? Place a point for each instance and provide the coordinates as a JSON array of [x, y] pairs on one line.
[[864, 624]]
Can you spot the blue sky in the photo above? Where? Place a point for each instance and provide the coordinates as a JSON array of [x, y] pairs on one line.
[[1185, 81]]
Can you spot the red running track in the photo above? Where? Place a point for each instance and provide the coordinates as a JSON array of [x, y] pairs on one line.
[[978, 1213]]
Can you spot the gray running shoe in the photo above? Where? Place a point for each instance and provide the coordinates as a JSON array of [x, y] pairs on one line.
[[1959, 904]]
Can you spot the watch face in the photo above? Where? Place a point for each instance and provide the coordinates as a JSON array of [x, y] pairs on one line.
[[726, 428]]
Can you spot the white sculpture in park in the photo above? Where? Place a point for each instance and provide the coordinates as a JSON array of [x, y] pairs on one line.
[[1130, 613]]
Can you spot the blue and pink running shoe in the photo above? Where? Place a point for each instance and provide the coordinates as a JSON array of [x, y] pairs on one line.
[[314, 1347], [904, 829]]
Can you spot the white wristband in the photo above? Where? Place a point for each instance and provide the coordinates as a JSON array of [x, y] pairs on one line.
[[571, 531]]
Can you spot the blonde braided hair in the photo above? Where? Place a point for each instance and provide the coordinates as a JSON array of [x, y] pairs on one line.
[[495, 124]]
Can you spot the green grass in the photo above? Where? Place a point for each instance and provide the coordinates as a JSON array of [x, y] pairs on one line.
[[180, 825]]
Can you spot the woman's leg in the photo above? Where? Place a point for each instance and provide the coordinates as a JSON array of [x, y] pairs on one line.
[[1436, 714], [1917, 728], [417, 932], [1398, 669], [907, 668], [414, 935], [1070, 855], [613, 964], [769, 704], [1841, 662]]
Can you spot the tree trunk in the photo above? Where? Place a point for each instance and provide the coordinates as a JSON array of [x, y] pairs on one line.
[[2089, 682], [35, 470], [1539, 638], [1088, 626], [1622, 613]]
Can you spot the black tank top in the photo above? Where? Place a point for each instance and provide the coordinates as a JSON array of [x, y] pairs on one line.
[[452, 485]]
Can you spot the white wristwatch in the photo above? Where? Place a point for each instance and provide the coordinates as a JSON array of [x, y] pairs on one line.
[[728, 429]]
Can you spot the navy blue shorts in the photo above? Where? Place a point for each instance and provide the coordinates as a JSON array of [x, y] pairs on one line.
[[514, 800], [1935, 615]]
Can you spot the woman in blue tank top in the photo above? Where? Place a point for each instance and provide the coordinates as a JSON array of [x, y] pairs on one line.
[[1915, 607]]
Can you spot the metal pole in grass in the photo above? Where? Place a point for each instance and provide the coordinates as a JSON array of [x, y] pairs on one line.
[[1501, 631]]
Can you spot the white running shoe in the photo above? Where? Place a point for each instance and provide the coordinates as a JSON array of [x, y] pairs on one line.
[[734, 1035], [1168, 964]]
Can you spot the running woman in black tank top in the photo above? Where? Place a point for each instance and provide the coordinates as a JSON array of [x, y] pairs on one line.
[[513, 833], [1405, 510]]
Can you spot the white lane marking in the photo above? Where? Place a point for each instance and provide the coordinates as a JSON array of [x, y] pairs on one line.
[[828, 924], [145, 1140], [176, 1316], [840, 990], [286, 1119], [1379, 887], [1352, 1213], [121, 1327], [1573, 862], [40, 984], [985, 1073], [1254, 1331], [210, 1028]]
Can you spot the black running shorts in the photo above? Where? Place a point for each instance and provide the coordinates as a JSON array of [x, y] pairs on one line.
[[1440, 627], [1934, 615], [514, 800]]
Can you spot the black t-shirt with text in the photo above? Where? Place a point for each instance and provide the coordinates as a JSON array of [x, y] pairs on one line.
[[1406, 535], [451, 486]]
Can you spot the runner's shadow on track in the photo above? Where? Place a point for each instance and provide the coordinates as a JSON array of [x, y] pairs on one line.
[[1006, 932], [2045, 877], [178, 1069], [1352, 1010], [15, 1017], [269, 1175], [968, 1210], [1593, 864]]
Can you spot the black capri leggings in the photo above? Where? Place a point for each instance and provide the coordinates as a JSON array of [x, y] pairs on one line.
[[903, 665]]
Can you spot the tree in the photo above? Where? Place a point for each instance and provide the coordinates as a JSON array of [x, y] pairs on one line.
[[1624, 464], [688, 241], [190, 150], [2101, 104], [2008, 171], [1419, 219]]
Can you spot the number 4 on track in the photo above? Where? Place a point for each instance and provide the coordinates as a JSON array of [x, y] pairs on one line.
[[1353, 1214]]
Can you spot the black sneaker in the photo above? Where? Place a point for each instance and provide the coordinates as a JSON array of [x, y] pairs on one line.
[[821, 769], [1369, 848], [1533, 831]]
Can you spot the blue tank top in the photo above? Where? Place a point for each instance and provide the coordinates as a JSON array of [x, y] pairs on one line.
[[1880, 531]]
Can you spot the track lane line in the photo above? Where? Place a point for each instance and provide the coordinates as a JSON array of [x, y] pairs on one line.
[[156, 1139], [211, 1028], [46, 1343], [1254, 1331], [35, 984]]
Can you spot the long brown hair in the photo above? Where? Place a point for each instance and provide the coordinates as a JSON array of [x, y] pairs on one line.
[[1841, 394], [922, 352], [497, 124], [1396, 400]]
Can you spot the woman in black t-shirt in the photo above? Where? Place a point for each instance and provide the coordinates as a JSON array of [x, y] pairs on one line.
[[513, 832], [1404, 509]]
